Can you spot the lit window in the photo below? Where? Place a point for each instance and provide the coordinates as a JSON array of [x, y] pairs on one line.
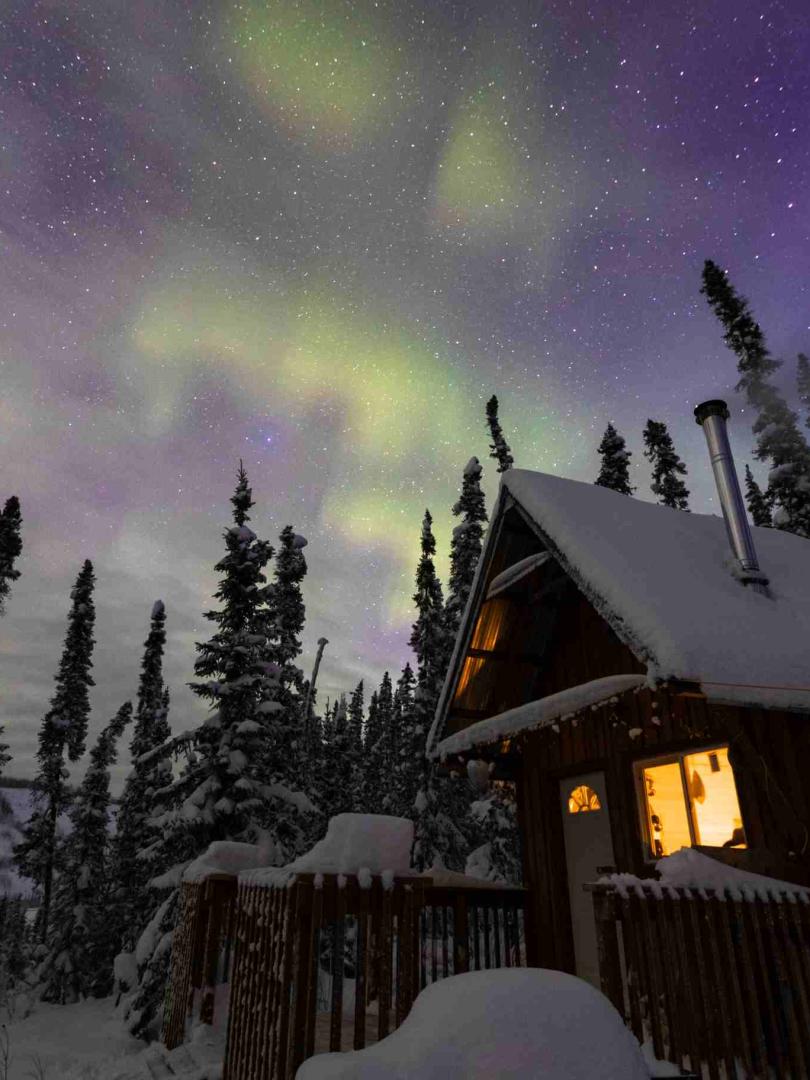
[[490, 626], [582, 800], [690, 799]]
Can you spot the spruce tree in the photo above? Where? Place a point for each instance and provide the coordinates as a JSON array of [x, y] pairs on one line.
[[499, 448], [803, 380], [5, 754], [340, 763], [779, 439], [385, 747], [14, 947], [62, 734], [10, 546], [758, 505], [10, 549], [407, 748], [78, 962], [371, 774], [132, 899], [243, 683], [465, 547], [614, 472], [497, 857], [439, 806], [354, 726], [240, 781], [667, 467]]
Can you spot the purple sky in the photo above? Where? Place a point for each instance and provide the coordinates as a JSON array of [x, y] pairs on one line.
[[318, 236]]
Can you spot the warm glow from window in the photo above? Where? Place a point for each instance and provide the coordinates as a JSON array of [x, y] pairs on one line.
[[692, 800], [582, 800], [667, 816], [716, 810], [472, 666], [490, 625]]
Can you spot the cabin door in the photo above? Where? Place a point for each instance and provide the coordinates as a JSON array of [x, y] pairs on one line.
[[588, 852]]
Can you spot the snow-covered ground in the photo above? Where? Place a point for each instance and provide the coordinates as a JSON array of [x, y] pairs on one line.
[[88, 1042]]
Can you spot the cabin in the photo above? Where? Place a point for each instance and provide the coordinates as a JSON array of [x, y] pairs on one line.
[[647, 688]]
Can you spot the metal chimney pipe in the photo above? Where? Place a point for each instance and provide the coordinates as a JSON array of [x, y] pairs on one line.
[[712, 417]]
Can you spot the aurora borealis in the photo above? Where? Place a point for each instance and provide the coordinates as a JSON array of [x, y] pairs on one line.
[[318, 235]]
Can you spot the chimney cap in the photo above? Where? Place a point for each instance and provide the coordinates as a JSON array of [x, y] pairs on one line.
[[715, 407]]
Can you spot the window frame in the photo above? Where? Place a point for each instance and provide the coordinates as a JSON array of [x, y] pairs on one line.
[[676, 757]]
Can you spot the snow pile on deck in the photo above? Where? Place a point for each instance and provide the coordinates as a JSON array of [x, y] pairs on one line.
[[485, 1025], [361, 844], [541, 713], [664, 579], [688, 868], [223, 857]]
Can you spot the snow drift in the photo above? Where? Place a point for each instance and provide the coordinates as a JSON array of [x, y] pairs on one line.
[[492, 1024]]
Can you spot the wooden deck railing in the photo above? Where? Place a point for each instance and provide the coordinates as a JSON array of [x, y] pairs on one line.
[[718, 981], [326, 964], [201, 953]]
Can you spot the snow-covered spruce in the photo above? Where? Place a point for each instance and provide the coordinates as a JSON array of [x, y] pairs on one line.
[[240, 780], [132, 900], [779, 439], [803, 385], [62, 734], [499, 447], [440, 806], [379, 749], [406, 766], [759, 506], [667, 467], [497, 856], [465, 546], [81, 941], [340, 762], [10, 546], [614, 472]]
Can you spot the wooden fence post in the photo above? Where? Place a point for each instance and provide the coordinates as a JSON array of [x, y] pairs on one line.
[[607, 940]]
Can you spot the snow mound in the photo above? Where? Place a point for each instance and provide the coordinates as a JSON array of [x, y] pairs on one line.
[[223, 857], [496, 1024], [353, 842], [692, 869]]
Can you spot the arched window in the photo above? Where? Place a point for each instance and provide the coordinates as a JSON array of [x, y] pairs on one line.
[[582, 800]]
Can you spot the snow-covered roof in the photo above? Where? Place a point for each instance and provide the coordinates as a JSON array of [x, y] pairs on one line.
[[536, 714], [664, 580]]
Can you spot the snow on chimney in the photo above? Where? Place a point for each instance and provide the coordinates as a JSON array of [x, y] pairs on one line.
[[712, 417]]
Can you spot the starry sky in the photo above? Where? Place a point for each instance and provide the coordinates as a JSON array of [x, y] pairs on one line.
[[318, 235]]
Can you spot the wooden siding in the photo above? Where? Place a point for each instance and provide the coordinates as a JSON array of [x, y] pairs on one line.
[[584, 648], [769, 752]]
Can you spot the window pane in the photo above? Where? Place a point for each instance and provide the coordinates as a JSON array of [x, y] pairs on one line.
[[491, 624], [667, 818], [716, 809], [582, 800]]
